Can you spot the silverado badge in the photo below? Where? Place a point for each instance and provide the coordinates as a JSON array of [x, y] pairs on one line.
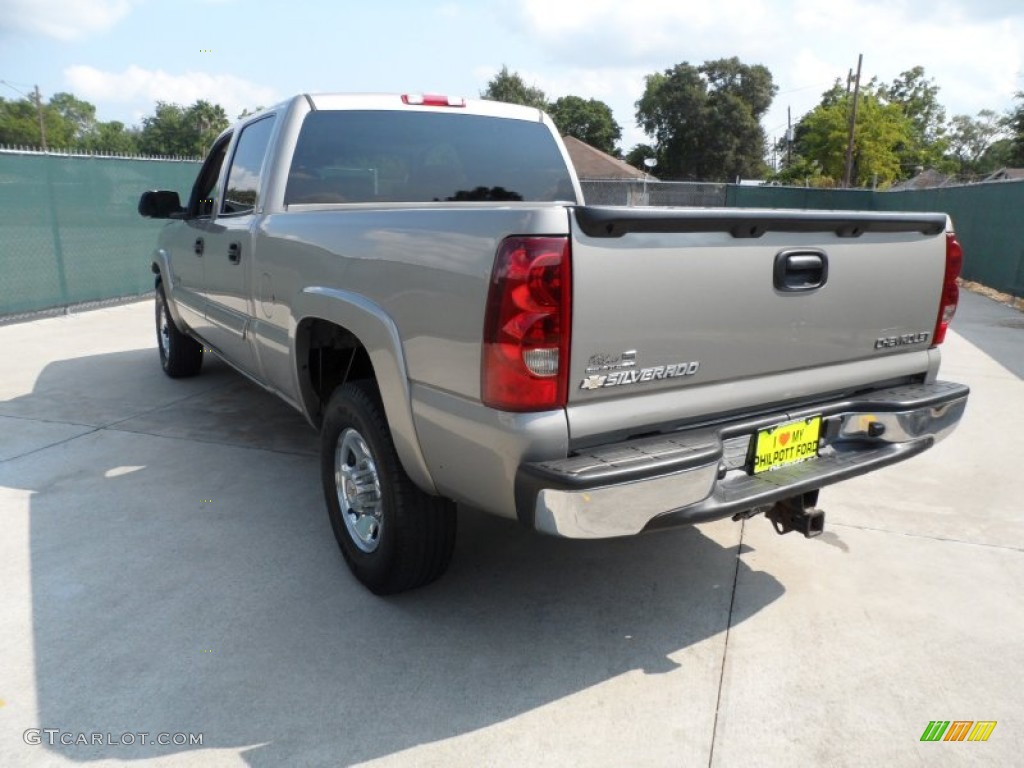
[[640, 375]]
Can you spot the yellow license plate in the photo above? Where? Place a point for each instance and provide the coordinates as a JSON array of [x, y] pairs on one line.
[[786, 444]]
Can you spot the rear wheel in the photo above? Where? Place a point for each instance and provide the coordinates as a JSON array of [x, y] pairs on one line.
[[180, 355], [393, 536]]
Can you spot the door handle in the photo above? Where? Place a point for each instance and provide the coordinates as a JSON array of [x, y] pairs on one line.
[[198, 247], [235, 253], [804, 269]]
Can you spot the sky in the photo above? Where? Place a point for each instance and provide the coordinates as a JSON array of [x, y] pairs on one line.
[[124, 55]]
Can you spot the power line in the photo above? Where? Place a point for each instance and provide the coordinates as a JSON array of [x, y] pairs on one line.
[[37, 100], [803, 88], [11, 85]]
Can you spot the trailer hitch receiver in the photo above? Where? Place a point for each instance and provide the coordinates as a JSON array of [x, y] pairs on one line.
[[798, 513]]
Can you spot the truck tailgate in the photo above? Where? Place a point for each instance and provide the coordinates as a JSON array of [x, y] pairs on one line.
[[668, 300]]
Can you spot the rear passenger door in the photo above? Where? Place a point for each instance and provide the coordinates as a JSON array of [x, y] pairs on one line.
[[228, 276]]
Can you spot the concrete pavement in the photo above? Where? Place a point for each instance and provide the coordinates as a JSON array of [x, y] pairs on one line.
[[168, 567]]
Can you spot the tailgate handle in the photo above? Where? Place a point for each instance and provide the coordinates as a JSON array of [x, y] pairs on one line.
[[805, 269]]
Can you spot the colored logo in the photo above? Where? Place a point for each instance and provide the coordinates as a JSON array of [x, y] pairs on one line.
[[958, 730]]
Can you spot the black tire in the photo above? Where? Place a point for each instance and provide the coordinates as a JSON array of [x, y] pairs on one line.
[[180, 355], [393, 536]]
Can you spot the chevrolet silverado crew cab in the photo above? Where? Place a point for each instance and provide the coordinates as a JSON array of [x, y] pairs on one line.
[[420, 277]]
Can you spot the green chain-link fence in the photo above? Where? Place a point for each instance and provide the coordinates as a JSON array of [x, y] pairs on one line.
[[69, 229], [70, 233], [988, 223]]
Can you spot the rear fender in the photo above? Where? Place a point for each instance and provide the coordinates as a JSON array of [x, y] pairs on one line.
[[377, 332]]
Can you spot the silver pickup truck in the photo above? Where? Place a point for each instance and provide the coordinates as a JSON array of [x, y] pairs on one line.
[[420, 277]]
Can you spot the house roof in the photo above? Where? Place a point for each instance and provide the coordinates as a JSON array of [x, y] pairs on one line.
[[1006, 174], [928, 179], [592, 163]]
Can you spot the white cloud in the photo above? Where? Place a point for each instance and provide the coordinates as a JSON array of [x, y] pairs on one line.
[[62, 19], [974, 49], [975, 58], [140, 88], [609, 32]]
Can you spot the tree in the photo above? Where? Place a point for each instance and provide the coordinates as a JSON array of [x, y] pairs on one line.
[[509, 87], [71, 123], [176, 130], [999, 155], [751, 84], [706, 120], [970, 139], [164, 132], [209, 119], [112, 137], [821, 138], [639, 153], [588, 120], [917, 97], [1015, 125], [78, 117], [19, 124]]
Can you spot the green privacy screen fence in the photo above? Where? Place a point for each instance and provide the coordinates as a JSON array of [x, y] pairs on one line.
[[70, 233], [989, 219], [69, 230]]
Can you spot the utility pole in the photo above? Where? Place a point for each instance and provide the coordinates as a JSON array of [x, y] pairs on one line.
[[789, 136], [847, 178], [39, 110]]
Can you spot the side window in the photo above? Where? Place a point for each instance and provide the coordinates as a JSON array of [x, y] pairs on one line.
[[243, 186], [201, 203]]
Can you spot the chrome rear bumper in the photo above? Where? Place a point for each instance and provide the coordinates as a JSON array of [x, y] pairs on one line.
[[694, 476]]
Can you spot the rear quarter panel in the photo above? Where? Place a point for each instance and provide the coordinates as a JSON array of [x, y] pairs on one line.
[[428, 268]]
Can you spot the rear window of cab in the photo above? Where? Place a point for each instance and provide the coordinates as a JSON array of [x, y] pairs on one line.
[[413, 157]]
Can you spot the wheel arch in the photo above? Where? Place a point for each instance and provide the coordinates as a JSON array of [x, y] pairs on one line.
[[161, 269], [335, 328]]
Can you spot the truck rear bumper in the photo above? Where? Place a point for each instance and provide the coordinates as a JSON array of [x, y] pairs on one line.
[[694, 476]]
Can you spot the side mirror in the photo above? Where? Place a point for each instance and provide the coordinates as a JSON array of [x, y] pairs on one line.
[[161, 204]]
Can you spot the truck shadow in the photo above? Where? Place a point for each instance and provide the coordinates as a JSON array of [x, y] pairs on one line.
[[193, 586]]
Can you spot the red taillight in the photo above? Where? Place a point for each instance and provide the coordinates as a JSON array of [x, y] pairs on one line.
[[432, 100], [950, 292], [526, 331]]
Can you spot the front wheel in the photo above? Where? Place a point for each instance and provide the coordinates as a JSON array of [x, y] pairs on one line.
[[393, 536], [180, 355]]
